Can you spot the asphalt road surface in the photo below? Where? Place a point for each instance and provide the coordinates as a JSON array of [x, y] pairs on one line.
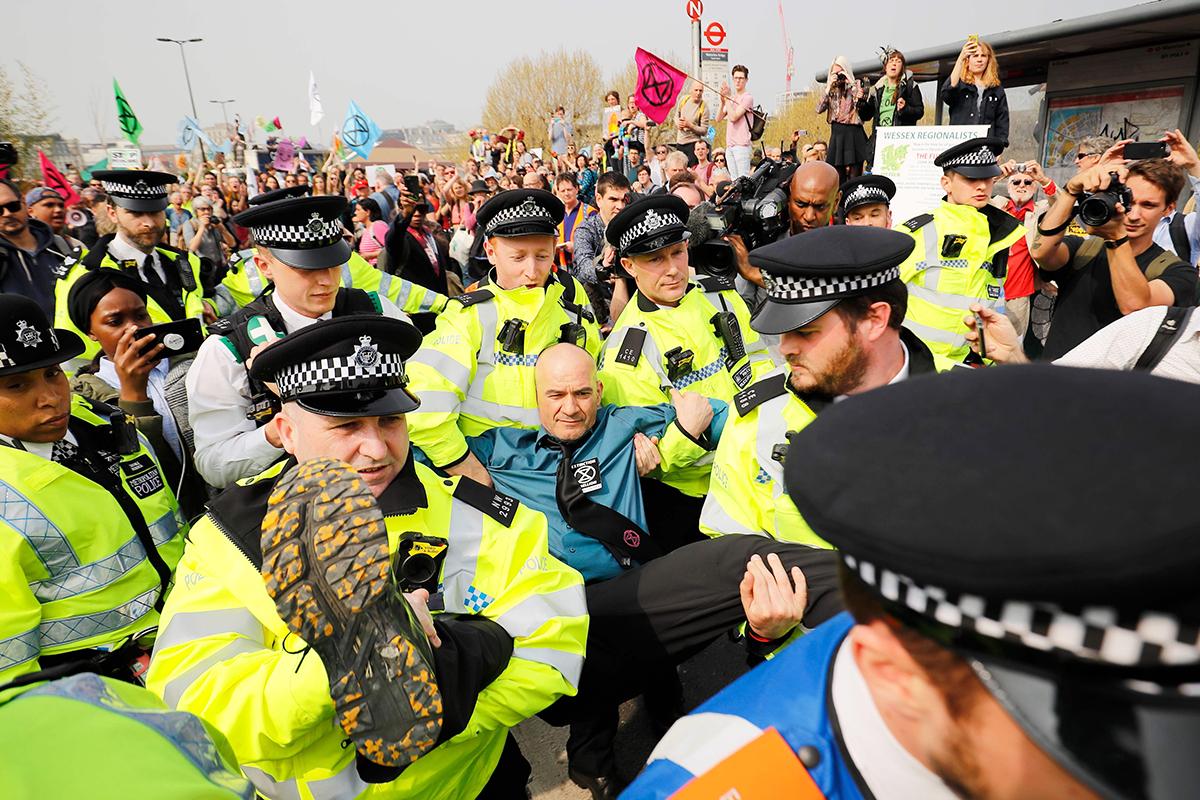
[[544, 746]]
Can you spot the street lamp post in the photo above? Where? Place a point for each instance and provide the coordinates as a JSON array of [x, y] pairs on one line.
[[188, 78], [222, 104]]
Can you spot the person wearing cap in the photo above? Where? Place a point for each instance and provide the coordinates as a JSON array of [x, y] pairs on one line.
[[675, 333], [176, 281], [866, 201], [961, 252], [837, 304], [46, 205], [90, 532], [475, 371], [301, 251], [286, 631], [243, 281], [1004, 656], [32, 257]]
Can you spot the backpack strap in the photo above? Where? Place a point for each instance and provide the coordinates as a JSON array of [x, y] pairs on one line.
[[1087, 252], [1159, 265], [1179, 238], [1173, 324]]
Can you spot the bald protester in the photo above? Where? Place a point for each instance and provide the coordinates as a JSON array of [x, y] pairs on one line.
[[653, 598]]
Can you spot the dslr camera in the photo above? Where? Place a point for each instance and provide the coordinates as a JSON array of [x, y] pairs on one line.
[[754, 207], [1098, 208]]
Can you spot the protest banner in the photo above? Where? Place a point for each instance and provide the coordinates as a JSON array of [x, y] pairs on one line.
[[906, 154]]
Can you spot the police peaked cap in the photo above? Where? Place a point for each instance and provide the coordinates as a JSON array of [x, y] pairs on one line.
[[138, 190], [649, 223], [1079, 612], [974, 158], [521, 212], [284, 193], [27, 340], [808, 274], [302, 232], [351, 366], [865, 190]]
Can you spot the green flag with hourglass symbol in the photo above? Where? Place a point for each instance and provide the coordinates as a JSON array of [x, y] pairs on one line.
[[127, 121]]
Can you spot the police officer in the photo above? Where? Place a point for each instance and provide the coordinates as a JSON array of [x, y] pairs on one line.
[[90, 532], [175, 280], [115, 754], [301, 251], [475, 371], [277, 567], [675, 333], [866, 201], [961, 253], [837, 303], [984, 655], [244, 281]]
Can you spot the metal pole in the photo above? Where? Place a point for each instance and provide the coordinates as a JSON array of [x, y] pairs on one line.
[[187, 77]]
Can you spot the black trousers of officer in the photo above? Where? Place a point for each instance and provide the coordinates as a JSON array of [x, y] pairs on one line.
[[661, 614]]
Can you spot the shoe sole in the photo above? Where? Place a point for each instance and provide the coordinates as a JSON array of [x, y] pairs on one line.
[[326, 560]]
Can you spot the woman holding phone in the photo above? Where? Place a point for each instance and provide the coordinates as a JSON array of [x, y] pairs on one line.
[[973, 92]]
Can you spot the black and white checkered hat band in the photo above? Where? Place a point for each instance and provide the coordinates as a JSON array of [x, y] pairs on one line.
[[138, 190], [1095, 633], [340, 374], [317, 232], [863, 195], [975, 158], [647, 225], [528, 211], [800, 289]]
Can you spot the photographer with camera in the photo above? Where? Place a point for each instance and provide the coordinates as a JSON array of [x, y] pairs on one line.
[[1117, 269], [847, 102]]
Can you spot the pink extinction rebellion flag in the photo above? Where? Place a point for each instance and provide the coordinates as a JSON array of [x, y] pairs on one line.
[[659, 84]]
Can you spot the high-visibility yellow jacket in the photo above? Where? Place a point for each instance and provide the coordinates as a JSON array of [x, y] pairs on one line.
[[224, 654], [244, 283], [470, 382], [747, 493], [78, 570], [191, 295], [960, 258], [635, 368]]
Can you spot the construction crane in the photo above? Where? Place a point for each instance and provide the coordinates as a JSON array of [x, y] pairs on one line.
[[787, 47]]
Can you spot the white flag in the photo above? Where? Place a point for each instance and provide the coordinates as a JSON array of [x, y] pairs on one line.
[[315, 112]]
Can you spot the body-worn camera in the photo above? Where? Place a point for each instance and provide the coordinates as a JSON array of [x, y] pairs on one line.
[[418, 561], [1098, 208]]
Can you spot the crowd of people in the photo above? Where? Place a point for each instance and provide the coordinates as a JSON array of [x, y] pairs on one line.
[[328, 479]]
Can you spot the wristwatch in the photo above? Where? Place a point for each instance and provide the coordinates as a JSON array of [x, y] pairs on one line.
[[1113, 244]]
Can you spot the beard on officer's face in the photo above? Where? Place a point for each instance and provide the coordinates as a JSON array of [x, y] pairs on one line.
[[840, 373]]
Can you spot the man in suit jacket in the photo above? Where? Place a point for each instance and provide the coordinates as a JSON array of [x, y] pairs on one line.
[[417, 255]]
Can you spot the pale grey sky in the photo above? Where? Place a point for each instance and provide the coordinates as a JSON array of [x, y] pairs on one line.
[[406, 63]]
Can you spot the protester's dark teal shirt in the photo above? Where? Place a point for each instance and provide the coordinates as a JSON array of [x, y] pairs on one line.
[[523, 464]]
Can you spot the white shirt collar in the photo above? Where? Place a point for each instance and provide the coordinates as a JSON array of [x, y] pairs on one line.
[[122, 249], [293, 320], [890, 771], [42, 449]]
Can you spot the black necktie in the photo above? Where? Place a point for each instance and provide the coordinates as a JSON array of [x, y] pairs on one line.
[[153, 279], [624, 538]]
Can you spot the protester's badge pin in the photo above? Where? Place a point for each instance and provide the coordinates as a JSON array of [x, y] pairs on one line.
[[28, 335]]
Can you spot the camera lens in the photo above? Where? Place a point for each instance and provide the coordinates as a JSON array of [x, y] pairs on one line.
[[416, 569], [1097, 209]]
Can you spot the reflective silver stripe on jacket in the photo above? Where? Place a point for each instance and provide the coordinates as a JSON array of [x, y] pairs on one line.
[[18, 649], [499, 413], [714, 517], [62, 632], [443, 364], [699, 741], [253, 277], [98, 574], [347, 278], [772, 430], [930, 334], [191, 626], [569, 665], [47, 541], [465, 534], [340, 786], [932, 267]]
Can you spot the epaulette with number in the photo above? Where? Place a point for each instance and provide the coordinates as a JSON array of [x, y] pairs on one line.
[[918, 222], [475, 297], [497, 505], [756, 394]]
